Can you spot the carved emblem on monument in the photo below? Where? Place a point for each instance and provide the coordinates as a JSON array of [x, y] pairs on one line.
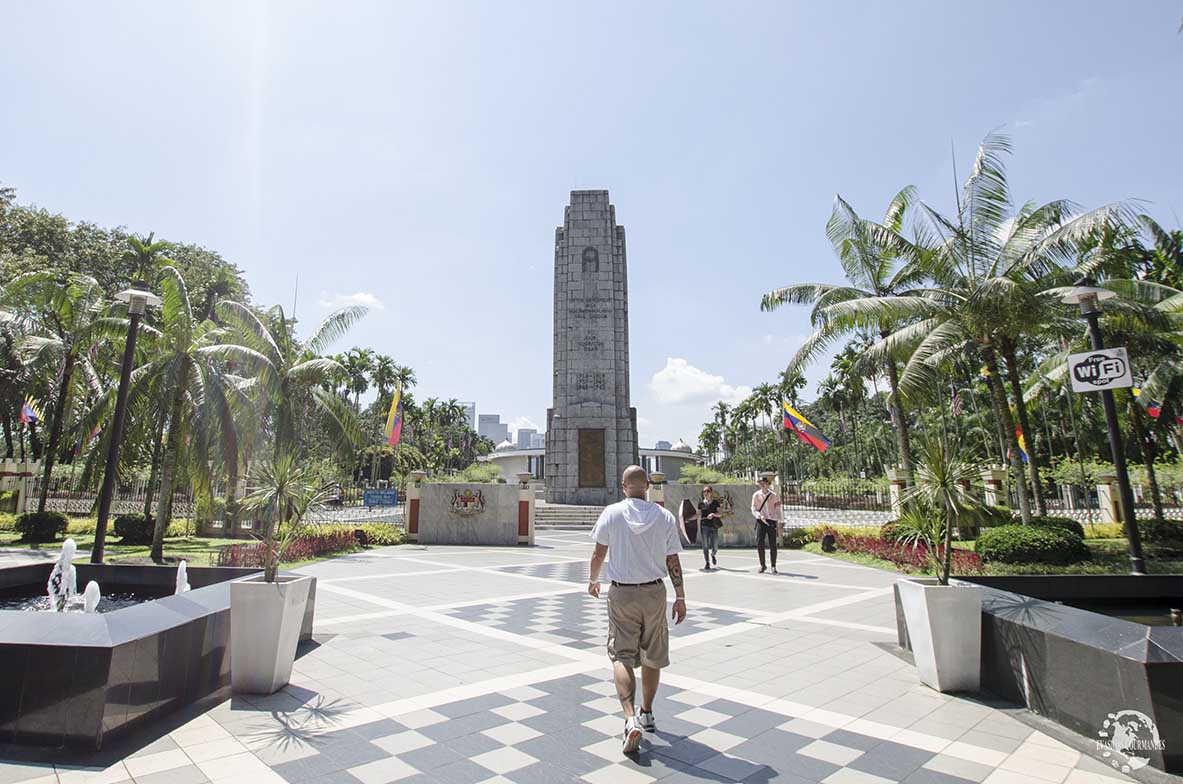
[[591, 259], [467, 503]]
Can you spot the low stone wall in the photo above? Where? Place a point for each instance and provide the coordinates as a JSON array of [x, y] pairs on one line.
[[739, 527], [474, 514]]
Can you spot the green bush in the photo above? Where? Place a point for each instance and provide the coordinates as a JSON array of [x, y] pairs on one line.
[[702, 475], [891, 531], [7, 521], [41, 526], [1031, 544], [134, 529], [378, 535], [7, 501], [1164, 536], [1063, 523], [796, 538]]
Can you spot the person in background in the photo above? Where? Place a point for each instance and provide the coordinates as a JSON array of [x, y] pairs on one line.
[[709, 523], [766, 510]]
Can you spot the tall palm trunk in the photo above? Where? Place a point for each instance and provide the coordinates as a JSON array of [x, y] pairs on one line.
[[154, 472], [897, 409], [55, 427], [230, 457], [9, 448], [1146, 447], [171, 455], [1008, 427], [1016, 391]]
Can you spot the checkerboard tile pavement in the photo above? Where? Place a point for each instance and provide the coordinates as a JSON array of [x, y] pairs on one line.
[[578, 572], [577, 620], [569, 730]]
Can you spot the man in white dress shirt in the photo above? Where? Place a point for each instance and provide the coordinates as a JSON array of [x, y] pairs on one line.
[[643, 541]]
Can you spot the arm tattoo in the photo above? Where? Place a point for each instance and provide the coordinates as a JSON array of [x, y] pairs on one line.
[[674, 566]]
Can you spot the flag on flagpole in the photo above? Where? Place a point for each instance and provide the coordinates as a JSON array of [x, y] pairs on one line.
[[805, 430], [1022, 443], [394, 420], [30, 411], [1154, 408]]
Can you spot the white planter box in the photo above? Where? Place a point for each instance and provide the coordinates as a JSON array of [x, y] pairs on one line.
[[265, 623], [945, 628]]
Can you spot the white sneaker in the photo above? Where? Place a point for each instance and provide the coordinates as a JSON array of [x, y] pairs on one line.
[[632, 735], [646, 720]]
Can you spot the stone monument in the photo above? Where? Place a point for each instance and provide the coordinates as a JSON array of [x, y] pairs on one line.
[[591, 432]]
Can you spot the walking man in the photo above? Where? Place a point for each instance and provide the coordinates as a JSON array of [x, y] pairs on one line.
[[766, 510], [643, 541]]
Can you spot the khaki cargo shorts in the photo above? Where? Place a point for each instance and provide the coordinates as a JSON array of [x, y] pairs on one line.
[[637, 625]]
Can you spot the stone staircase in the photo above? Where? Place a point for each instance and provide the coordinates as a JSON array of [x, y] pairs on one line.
[[565, 517]]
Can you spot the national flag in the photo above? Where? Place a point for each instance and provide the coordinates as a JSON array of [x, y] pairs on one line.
[[805, 430], [1154, 409], [394, 420], [30, 411], [1022, 443]]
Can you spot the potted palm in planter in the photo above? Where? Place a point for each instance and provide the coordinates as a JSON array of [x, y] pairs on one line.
[[266, 612], [944, 621]]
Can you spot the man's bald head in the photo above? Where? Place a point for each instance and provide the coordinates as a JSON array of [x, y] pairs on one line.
[[635, 481]]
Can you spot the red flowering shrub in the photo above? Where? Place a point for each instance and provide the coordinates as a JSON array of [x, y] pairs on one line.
[[306, 546], [906, 557]]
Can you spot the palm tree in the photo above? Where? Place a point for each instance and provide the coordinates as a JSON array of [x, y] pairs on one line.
[[294, 376], [189, 357], [722, 410], [359, 362], [66, 313], [977, 261], [870, 258], [384, 374]]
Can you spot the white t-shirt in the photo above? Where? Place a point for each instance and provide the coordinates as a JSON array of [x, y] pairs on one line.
[[639, 534]]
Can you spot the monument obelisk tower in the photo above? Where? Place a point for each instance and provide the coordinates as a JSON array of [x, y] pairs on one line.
[[591, 432]]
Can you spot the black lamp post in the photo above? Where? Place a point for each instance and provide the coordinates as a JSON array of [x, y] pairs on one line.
[[1088, 298], [138, 297]]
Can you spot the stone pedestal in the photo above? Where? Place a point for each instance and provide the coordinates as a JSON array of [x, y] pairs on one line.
[[900, 479], [656, 492], [1109, 498], [994, 480], [526, 500], [591, 432], [414, 489]]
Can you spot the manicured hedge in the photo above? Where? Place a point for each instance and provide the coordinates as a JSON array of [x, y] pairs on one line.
[[134, 529], [1063, 523], [41, 526], [1165, 536], [906, 557], [1031, 544]]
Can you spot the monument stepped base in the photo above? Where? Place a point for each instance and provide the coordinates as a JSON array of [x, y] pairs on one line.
[[565, 517]]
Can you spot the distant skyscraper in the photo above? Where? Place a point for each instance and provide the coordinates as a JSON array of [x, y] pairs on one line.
[[469, 413], [526, 437], [663, 445], [538, 441], [491, 427]]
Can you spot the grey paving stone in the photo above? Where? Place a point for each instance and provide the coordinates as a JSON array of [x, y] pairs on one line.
[[468, 746], [772, 747], [455, 728], [926, 776], [561, 755], [689, 751], [891, 760], [544, 773], [308, 769], [734, 768], [752, 723], [189, 774], [377, 729], [350, 752], [461, 772], [430, 757], [854, 740], [155, 747], [487, 702]]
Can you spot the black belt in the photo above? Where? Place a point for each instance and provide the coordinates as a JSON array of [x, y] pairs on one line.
[[635, 585]]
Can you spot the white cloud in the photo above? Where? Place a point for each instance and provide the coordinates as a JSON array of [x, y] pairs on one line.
[[524, 422], [364, 298], [681, 382]]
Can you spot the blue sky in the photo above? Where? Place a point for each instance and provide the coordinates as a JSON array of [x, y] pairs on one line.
[[418, 156]]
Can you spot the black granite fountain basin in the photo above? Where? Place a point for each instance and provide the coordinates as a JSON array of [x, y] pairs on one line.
[[77, 679], [1042, 649]]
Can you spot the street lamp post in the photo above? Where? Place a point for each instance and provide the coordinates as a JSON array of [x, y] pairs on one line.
[[138, 297], [1088, 298]]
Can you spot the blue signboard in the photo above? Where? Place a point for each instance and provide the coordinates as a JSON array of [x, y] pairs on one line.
[[381, 497]]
